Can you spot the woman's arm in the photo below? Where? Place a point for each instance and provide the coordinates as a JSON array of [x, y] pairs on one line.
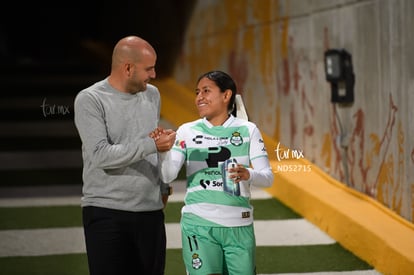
[[170, 164], [261, 173]]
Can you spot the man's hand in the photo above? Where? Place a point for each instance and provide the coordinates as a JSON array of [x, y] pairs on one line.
[[165, 200], [156, 133], [164, 138]]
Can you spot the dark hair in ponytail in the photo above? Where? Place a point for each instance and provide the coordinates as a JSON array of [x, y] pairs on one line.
[[224, 82]]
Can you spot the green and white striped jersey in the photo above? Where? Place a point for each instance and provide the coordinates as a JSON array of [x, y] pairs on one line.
[[203, 148]]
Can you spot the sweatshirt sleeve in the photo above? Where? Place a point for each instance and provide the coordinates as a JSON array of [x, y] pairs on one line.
[[90, 123]]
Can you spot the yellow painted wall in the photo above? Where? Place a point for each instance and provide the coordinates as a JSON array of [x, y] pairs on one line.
[[363, 196], [274, 50], [359, 223]]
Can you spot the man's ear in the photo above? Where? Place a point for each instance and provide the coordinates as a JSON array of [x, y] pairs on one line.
[[127, 69]]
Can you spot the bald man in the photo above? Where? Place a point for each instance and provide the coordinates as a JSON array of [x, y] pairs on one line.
[[123, 196]]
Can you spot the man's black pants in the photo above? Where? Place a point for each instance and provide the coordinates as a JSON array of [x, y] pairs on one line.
[[121, 242]]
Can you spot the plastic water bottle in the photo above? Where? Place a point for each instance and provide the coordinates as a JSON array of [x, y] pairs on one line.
[[229, 185]]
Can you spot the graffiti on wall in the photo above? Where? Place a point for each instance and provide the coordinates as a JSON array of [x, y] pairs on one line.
[[280, 76]]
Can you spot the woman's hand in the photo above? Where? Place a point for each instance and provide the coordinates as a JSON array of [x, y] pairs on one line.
[[239, 173]]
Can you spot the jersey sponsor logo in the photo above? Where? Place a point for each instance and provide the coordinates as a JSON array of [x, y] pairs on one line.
[[212, 173], [264, 150], [216, 155], [198, 139], [236, 139], [210, 183]]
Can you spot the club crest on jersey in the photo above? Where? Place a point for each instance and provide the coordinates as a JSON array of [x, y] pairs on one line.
[[197, 262], [236, 139]]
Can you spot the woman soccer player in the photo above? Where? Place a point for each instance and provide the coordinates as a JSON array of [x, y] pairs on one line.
[[223, 155]]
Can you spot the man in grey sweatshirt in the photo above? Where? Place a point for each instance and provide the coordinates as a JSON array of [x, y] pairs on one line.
[[122, 202]]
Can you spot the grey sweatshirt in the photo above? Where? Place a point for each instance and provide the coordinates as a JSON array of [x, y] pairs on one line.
[[120, 160]]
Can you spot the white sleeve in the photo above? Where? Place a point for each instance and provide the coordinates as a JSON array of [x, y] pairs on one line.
[[170, 165], [261, 173]]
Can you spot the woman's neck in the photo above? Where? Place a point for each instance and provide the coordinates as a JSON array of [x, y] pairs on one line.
[[219, 120]]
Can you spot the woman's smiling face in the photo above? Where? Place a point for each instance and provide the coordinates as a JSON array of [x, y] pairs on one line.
[[210, 101]]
